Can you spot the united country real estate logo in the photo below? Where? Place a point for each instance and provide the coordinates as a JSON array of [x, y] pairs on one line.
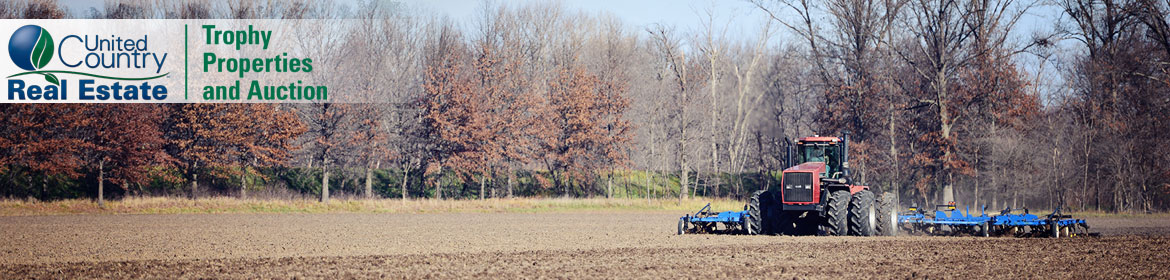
[[32, 49], [136, 61]]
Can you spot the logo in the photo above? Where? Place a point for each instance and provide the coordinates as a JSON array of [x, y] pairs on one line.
[[31, 48]]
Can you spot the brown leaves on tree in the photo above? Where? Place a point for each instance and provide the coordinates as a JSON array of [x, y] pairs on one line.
[[43, 138], [223, 135], [583, 129], [126, 140]]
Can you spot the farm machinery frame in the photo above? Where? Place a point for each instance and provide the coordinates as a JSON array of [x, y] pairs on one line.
[[817, 196]]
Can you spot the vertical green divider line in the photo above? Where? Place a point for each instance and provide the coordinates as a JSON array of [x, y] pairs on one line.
[[186, 65]]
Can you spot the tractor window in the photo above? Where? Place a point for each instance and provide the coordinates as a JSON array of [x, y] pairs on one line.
[[820, 152]]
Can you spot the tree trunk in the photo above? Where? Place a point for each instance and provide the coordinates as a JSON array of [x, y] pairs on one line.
[[195, 181], [894, 151], [648, 175], [934, 198], [1096, 191], [695, 188], [563, 185], [948, 193], [482, 182], [1147, 205], [609, 185], [369, 182], [244, 182], [405, 178], [439, 184], [975, 193], [511, 173], [324, 184], [1085, 176], [626, 185], [1015, 196], [101, 184], [945, 125], [995, 201], [684, 180], [713, 83]]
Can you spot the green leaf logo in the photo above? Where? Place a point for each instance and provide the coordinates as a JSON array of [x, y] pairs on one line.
[[31, 48], [52, 79], [43, 50]]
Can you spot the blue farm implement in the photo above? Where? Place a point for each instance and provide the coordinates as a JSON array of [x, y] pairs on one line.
[[949, 220], [705, 221], [815, 195]]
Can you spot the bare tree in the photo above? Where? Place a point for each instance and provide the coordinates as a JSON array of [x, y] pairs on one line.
[[685, 82]]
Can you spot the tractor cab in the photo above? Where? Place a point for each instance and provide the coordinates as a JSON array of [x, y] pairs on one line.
[[821, 149], [814, 167], [815, 194]]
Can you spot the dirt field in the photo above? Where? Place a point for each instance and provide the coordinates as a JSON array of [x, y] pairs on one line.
[[573, 245]]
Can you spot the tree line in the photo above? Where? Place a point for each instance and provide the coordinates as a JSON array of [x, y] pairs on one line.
[[944, 100]]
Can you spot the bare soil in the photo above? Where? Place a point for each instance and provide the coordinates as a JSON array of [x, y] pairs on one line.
[[556, 245]]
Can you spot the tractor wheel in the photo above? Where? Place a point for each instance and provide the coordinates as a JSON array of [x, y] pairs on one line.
[[836, 211], [755, 212], [862, 215], [682, 227], [983, 229], [887, 216], [785, 223], [806, 225], [1055, 230]]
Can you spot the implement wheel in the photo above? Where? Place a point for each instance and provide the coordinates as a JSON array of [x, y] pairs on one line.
[[682, 226], [862, 215], [836, 221], [746, 224], [887, 216]]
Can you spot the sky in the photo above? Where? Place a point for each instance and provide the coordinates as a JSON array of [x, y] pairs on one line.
[[742, 19]]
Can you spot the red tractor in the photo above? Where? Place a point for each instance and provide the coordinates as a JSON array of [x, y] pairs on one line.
[[817, 196]]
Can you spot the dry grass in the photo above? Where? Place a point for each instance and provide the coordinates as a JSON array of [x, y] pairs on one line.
[[1106, 214], [170, 205]]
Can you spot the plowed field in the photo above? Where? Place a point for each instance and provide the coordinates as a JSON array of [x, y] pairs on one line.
[[574, 245]]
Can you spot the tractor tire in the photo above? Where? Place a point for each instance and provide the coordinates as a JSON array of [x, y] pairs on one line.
[[984, 229], [887, 218], [785, 223], [682, 227], [862, 215], [756, 212], [806, 225], [836, 220]]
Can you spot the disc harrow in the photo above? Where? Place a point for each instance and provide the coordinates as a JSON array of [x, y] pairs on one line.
[[949, 220], [706, 221]]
